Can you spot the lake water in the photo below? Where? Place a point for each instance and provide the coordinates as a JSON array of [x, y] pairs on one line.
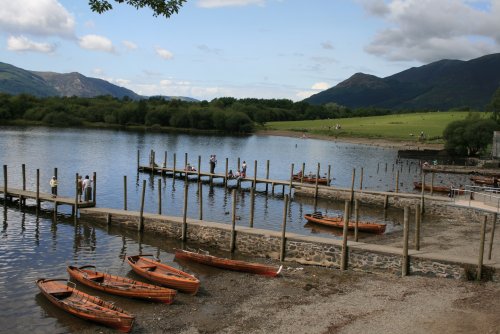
[[33, 247]]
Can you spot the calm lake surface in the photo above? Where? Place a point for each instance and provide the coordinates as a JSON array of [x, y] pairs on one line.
[[32, 247]]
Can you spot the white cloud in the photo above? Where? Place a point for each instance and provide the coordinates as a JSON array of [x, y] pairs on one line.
[[320, 86], [98, 71], [429, 30], [97, 43], [22, 43], [122, 82], [228, 3], [165, 54], [304, 94], [36, 17], [129, 45]]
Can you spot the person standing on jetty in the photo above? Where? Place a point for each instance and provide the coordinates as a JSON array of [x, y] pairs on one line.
[[79, 187], [53, 186], [213, 162], [244, 169], [87, 189]]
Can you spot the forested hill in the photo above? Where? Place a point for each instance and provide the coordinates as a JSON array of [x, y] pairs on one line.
[[441, 85]]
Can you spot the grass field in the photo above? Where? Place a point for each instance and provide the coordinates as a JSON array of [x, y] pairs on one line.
[[392, 127]]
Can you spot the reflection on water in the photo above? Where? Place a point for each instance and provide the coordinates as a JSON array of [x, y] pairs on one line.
[[32, 247]]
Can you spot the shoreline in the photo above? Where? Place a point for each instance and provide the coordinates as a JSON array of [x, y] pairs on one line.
[[385, 143]]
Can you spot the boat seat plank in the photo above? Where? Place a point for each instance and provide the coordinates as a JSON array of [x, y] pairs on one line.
[[96, 278], [149, 267]]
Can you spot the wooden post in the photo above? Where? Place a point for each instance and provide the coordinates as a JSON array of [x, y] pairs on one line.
[[418, 221], [267, 176], [352, 183], [397, 181], [55, 210], [316, 185], [252, 205], [141, 216], [386, 201], [125, 192], [303, 172], [37, 188], [185, 167], [492, 235], [254, 173], [422, 195], [226, 173], [200, 199], [291, 181], [23, 168], [165, 160], [238, 163], [233, 224], [386, 167], [481, 250], [76, 198], [343, 264], [199, 169], [159, 196], [5, 184], [432, 183], [356, 219], [94, 189], [173, 170], [108, 219], [184, 214], [55, 174], [406, 229], [138, 156], [361, 179], [378, 166], [329, 175], [283, 230]]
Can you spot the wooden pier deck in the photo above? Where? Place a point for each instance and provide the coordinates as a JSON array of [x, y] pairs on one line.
[[182, 174], [43, 197]]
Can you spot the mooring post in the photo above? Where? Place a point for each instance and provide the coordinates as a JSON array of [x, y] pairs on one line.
[[361, 179], [356, 219], [173, 170], [185, 160], [159, 196], [37, 189], [328, 176], [238, 164], [291, 181], [397, 181], [283, 230], [184, 214], [422, 195], [492, 235], [125, 192], [108, 219], [406, 229], [21, 198], [418, 221], [432, 183], [352, 183], [254, 173], [138, 156], [141, 216], [267, 176], [481, 249], [316, 185], [303, 172], [200, 199], [75, 211], [343, 264], [5, 184], [226, 173], [386, 201], [252, 206], [165, 160], [55, 210], [378, 166], [55, 174], [233, 224], [94, 189], [386, 167]]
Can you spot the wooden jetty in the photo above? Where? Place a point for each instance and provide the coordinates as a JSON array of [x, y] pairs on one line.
[[43, 197]]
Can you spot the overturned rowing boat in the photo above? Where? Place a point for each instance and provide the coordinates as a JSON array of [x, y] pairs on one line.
[[338, 222]]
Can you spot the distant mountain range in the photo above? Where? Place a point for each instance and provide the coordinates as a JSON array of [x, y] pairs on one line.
[[15, 80], [440, 85]]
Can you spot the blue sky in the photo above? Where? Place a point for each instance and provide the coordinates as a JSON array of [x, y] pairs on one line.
[[244, 48]]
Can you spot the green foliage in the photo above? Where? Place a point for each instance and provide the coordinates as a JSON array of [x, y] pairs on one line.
[[160, 7], [469, 136], [494, 106]]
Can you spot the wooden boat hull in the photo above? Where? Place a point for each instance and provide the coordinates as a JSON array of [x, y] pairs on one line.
[[163, 274], [438, 189], [339, 223], [483, 180], [237, 265], [305, 179], [121, 286], [85, 306]]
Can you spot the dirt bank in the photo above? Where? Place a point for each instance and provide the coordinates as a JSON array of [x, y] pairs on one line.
[[322, 300], [402, 145]]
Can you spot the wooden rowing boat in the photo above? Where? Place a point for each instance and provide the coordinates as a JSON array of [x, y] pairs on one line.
[[85, 306], [309, 179], [163, 274], [338, 222], [483, 180], [121, 286], [237, 265], [438, 189]]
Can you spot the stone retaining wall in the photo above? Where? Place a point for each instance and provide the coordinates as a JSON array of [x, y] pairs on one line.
[[299, 248]]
